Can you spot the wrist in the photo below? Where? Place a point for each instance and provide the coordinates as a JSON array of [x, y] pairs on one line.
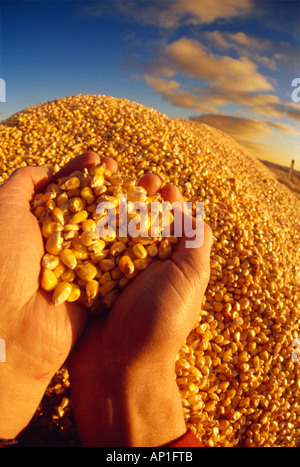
[[19, 399], [138, 406], [153, 408]]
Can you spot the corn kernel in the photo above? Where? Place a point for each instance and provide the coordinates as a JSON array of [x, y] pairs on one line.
[[92, 289], [75, 293], [87, 270], [139, 251], [126, 265], [50, 261], [48, 280], [61, 293], [54, 244], [68, 258]]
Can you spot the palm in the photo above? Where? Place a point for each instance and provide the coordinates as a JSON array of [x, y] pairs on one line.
[[41, 334], [154, 314]]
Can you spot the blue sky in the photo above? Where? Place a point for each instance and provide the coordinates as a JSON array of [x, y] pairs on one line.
[[228, 63]]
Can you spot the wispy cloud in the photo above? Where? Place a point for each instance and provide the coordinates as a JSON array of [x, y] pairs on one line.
[[265, 52], [222, 79], [204, 61], [244, 128], [170, 13], [224, 73], [257, 136]]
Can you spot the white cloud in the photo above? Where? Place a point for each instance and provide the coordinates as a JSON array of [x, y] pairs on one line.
[[224, 73]]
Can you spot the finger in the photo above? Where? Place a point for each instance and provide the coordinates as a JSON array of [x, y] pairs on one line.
[[172, 194], [110, 163], [193, 253], [23, 183], [151, 183], [88, 159]]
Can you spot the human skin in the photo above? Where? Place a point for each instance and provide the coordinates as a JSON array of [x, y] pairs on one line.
[[122, 371], [38, 335], [138, 339]]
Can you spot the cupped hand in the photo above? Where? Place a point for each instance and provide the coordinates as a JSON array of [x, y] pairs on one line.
[[122, 370], [38, 335]]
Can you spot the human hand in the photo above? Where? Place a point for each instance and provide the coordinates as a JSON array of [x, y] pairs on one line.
[[122, 374], [38, 335]]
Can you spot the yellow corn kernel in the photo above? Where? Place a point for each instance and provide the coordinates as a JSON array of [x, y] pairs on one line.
[[141, 263], [139, 250], [97, 180], [152, 250], [75, 292], [137, 194], [89, 238], [87, 270], [39, 211], [104, 277], [80, 255], [68, 258], [70, 235], [97, 247], [78, 246], [92, 289], [59, 270], [48, 280], [164, 250], [68, 275], [76, 204], [37, 200], [110, 236], [61, 293], [97, 257], [50, 261], [107, 287], [87, 194], [89, 225], [98, 169], [71, 227], [50, 205], [57, 216], [172, 239], [107, 264], [121, 237], [117, 248], [49, 228], [126, 265], [78, 217], [72, 183], [62, 199], [115, 273], [54, 244], [109, 299]]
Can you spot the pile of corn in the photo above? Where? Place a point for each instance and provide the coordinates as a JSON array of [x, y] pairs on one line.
[[237, 372], [91, 262]]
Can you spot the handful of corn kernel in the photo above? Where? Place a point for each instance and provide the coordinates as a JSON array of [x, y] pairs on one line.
[[94, 264]]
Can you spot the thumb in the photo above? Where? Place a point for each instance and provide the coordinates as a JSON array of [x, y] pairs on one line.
[[20, 187]]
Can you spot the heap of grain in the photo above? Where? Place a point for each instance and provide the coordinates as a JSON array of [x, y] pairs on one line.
[[237, 372]]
